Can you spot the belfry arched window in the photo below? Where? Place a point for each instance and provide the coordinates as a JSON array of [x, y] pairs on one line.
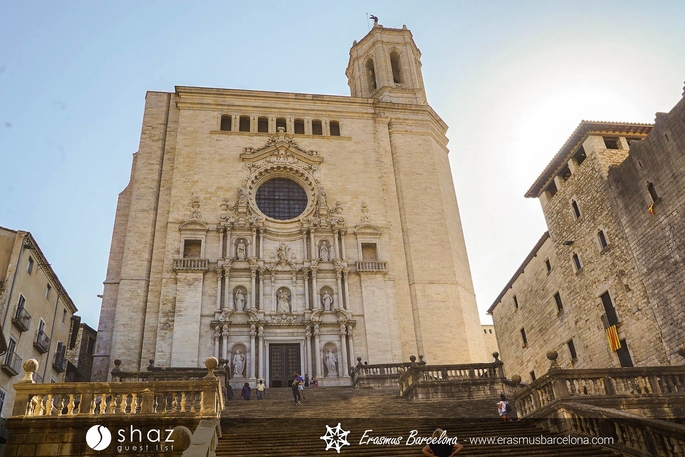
[[371, 75], [396, 67]]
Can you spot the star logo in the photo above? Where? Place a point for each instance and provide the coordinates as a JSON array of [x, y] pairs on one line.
[[335, 438]]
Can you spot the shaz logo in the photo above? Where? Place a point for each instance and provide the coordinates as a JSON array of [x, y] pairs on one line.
[[98, 437]]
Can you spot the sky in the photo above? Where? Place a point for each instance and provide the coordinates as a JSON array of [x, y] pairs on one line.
[[512, 79]]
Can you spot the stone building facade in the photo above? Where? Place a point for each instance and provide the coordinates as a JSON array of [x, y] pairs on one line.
[[80, 353], [36, 314], [602, 286], [489, 339], [283, 231]]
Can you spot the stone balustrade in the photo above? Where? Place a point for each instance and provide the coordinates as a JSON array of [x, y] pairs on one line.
[[601, 387], [199, 398], [191, 264], [372, 267], [463, 381], [379, 375]]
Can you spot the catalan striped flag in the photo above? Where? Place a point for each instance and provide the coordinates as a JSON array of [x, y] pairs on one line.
[[612, 336]]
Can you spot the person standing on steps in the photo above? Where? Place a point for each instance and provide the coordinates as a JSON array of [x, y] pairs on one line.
[[504, 408], [300, 386], [260, 390], [441, 450], [295, 386], [246, 393]]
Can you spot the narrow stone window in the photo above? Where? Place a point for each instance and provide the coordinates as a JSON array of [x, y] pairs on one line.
[[244, 125], [548, 265], [335, 128], [299, 126], [579, 155], [572, 350], [316, 127], [516, 302], [371, 75], [557, 300], [485, 331], [263, 125], [490, 331], [29, 265], [611, 142], [652, 192], [576, 262], [576, 210], [369, 252], [565, 173], [226, 122], [551, 190], [280, 122], [523, 337], [64, 314], [396, 68], [532, 375], [624, 355], [609, 310], [602, 239], [192, 249], [48, 288]]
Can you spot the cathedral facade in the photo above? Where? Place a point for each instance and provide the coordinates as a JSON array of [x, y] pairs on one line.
[[287, 232]]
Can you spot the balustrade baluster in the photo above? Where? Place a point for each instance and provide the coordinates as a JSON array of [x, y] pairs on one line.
[[72, 404], [677, 446]]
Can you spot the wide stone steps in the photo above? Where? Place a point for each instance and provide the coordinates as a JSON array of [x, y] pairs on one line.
[[276, 427]]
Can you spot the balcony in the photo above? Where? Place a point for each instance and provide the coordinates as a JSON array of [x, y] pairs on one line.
[[191, 264], [22, 319], [42, 343], [372, 267], [60, 362], [11, 364]]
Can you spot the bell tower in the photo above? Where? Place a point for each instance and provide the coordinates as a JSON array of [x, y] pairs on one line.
[[386, 65]]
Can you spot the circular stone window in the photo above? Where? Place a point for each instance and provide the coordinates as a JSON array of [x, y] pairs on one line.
[[281, 199]]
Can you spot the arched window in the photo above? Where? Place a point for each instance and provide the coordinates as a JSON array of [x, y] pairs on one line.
[[396, 67], [226, 120], [371, 75], [335, 128], [280, 122], [316, 127], [244, 125], [299, 126], [652, 192], [263, 124]]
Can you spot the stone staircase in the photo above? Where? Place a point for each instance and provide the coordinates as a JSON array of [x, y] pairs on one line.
[[276, 427]]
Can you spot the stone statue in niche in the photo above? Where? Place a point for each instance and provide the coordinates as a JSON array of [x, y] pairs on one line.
[[331, 363], [238, 364], [327, 301], [241, 250], [239, 300], [324, 252], [282, 253], [283, 302], [242, 196]]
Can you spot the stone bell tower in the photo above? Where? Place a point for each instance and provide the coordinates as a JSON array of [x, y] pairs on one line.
[[386, 64]]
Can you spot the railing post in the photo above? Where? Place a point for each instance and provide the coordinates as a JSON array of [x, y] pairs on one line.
[[148, 399]]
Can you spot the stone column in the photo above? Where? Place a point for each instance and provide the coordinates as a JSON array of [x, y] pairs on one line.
[[307, 349], [337, 245], [218, 287], [217, 335], [261, 243], [228, 298], [221, 241], [317, 351], [346, 277], [260, 335], [342, 244], [273, 290], [261, 289], [253, 333], [350, 339], [305, 273], [304, 244], [343, 349], [224, 340], [313, 254], [235, 125], [254, 242], [338, 275], [253, 294], [315, 290], [293, 304]]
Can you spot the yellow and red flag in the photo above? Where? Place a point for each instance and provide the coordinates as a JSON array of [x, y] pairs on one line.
[[612, 336]]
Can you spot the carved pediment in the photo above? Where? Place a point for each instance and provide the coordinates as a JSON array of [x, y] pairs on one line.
[[194, 226], [281, 148]]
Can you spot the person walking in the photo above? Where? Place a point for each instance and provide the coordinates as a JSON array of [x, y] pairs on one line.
[[295, 386], [260, 390], [300, 386], [504, 408]]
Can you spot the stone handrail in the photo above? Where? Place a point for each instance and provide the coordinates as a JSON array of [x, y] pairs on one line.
[[558, 384], [202, 398], [384, 374], [370, 266], [191, 264], [418, 373], [631, 434], [169, 374]]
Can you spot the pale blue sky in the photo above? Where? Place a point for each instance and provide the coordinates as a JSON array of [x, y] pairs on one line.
[[512, 79]]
